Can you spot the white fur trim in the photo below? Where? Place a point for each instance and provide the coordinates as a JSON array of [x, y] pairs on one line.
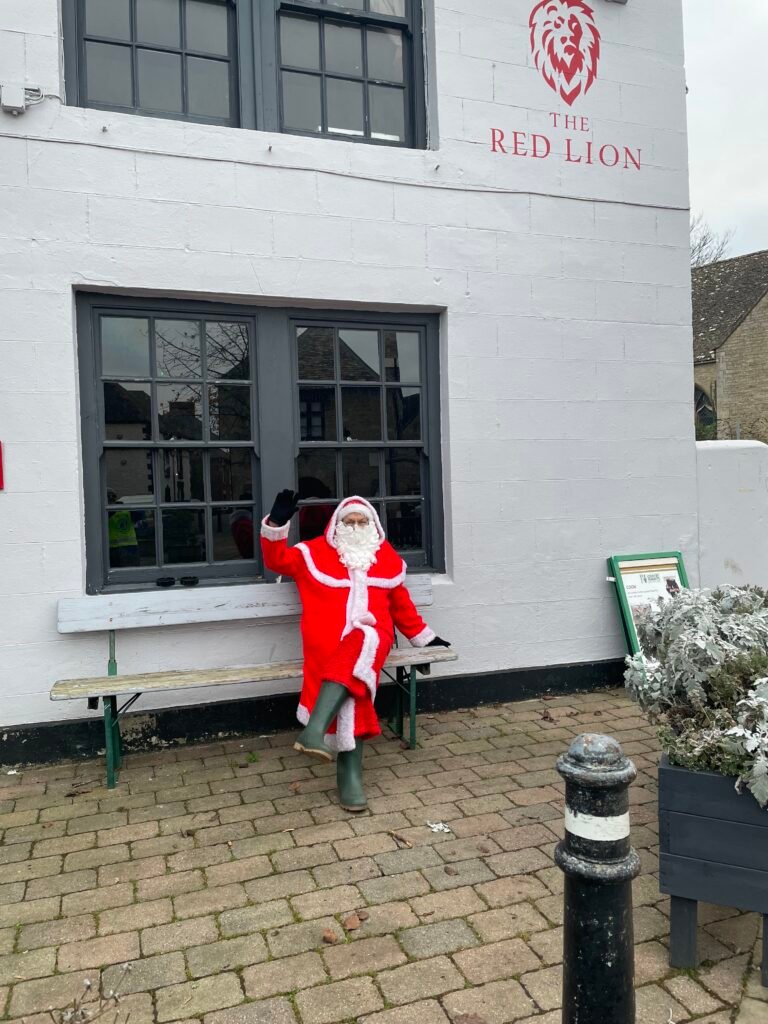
[[388, 584], [423, 638], [346, 506], [352, 506], [344, 738], [321, 577], [274, 532]]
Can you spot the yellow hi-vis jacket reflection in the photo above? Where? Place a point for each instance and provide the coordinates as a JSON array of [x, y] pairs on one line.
[[122, 532]]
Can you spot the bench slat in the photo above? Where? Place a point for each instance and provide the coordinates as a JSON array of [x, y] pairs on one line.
[[148, 682], [182, 606]]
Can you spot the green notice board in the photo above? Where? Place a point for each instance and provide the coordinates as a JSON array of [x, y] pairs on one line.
[[643, 582]]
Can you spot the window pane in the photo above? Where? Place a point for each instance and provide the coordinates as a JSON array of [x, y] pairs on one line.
[[183, 475], [124, 346], [313, 519], [229, 412], [360, 472], [387, 112], [317, 474], [127, 411], [355, 5], [131, 534], [359, 355], [177, 348], [183, 535], [232, 533], [361, 414], [403, 471], [345, 107], [315, 353], [401, 356], [129, 475], [227, 350], [180, 412], [404, 525], [394, 7], [385, 54], [317, 409], [207, 27], [158, 22], [110, 18], [343, 49], [231, 474], [404, 414], [159, 81], [208, 88], [300, 42], [302, 108], [108, 74]]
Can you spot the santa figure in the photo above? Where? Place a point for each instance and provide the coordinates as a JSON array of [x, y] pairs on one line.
[[353, 595]]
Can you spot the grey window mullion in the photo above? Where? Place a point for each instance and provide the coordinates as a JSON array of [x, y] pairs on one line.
[[266, 87]]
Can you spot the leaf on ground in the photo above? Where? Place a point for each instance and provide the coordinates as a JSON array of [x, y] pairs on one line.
[[483, 849], [351, 923], [451, 870], [295, 787], [330, 937], [363, 915]]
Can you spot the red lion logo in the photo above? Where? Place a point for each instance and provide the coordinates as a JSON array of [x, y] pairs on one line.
[[566, 46]]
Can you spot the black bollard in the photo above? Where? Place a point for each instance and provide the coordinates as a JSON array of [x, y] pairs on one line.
[[599, 865]]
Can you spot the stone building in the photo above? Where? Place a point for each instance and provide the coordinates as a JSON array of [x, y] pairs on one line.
[[730, 347]]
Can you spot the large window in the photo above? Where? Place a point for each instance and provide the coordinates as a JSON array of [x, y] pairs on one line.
[[195, 415], [349, 69]]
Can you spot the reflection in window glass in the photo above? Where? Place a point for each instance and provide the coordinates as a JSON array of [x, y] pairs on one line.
[[404, 414], [359, 355], [183, 535], [394, 7], [403, 471], [345, 107], [131, 538], [208, 88], [180, 412], [402, 356], [404, 525], [207, 27], [157, 22], [355, 5], [108, 74], [229, 412], [317, 474], [385, 54], [361, 414], [317, 414], [227, 350], [159, 76], [302, 106], [129, 475], [316, 360], [387, 112], [124, 346], [360, 469], [343, 49], [231, 474], [127, 411], [300, 42], [111, 18], [183, 475], [232, 533], [177, 348]]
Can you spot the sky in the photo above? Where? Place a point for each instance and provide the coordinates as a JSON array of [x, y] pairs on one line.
[[726, 59]]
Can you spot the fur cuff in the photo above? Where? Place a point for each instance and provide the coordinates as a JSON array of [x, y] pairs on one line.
[[274, 532], [423, 638]]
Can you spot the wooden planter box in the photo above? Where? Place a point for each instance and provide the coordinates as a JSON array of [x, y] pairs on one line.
[[713, 849]]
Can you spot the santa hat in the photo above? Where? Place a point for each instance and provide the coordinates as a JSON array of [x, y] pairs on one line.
[[347, 507]]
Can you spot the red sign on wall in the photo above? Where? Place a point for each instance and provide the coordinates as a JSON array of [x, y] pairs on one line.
[[565, 43]]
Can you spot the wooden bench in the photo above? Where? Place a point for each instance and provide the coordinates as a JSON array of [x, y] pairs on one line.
[[275, 602]]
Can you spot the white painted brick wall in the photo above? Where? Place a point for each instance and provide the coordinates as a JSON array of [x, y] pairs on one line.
[[565, 338]]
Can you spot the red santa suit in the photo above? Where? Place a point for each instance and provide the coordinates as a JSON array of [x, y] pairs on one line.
[[348, 620]]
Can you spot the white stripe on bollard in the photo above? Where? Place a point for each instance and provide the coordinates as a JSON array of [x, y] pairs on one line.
[[603, 830]]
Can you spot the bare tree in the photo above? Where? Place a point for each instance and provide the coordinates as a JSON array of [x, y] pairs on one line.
[[706, 245]]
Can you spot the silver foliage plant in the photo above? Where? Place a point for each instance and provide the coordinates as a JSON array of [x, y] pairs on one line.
[[703, 677]]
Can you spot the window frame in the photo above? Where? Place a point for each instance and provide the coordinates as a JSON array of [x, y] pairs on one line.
[[255, 93], [276, 438]]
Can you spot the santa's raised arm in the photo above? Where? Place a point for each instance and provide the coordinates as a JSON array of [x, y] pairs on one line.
[[353, 595]]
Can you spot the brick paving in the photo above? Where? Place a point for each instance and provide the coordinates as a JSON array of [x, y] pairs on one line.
[[219, 874]]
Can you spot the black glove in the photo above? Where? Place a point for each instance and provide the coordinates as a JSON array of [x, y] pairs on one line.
[[286, 505], [438, 642]]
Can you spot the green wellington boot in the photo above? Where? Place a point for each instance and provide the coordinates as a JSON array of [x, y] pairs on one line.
[[349, 779], [311, 739]]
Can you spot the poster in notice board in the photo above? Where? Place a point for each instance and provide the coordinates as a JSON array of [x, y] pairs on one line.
[[643, 582]]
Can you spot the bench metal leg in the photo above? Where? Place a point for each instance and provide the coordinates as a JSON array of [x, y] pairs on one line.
[[764, 969], [113, 741], [396, 719], [682, 934], [412, 709]]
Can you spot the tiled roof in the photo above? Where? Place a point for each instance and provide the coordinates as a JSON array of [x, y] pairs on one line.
[[724, 294]]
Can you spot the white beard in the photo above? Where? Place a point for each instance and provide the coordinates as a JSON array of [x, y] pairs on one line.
[[357, 545]]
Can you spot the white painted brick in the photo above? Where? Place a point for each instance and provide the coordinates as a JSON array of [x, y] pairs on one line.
[[43, 68], [13, 160], [313, 237], [61, 167], [379, 243], [562, 217], [635, 303], [465, 76], [461, 249], [12, 60], [184, 180], [437, 206], [228, 229], [30, 16], [136, 222], [566, 298], [346, 196], [42, 215]]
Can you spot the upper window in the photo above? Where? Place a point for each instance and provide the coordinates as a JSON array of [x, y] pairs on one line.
[[347, 69], [195, 415]]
